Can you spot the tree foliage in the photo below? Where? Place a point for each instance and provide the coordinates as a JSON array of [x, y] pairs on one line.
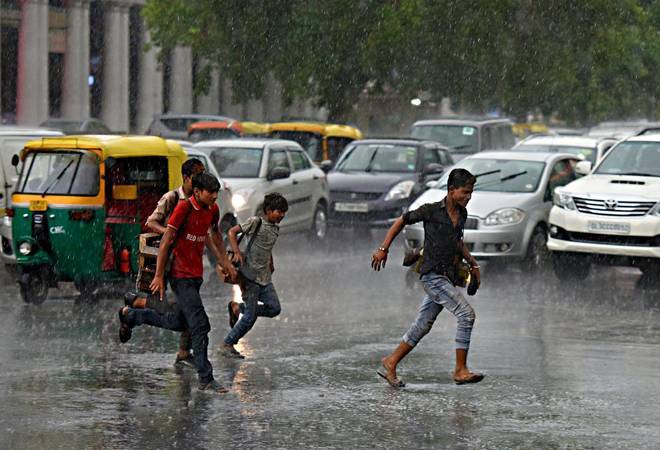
[[585, 60]]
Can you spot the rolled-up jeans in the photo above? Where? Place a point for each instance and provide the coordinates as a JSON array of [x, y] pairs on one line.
[[189, 314], [441, 293], [252, 294]]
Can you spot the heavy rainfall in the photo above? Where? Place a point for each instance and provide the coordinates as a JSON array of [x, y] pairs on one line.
[[329, 224]]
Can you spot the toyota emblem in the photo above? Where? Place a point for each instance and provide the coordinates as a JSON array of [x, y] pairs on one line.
[[611, 204]]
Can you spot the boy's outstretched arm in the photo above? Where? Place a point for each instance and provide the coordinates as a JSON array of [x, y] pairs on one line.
[[379, 257]]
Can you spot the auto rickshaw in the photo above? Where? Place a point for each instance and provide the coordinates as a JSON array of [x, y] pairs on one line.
[[321, 141], [207, 130], [255, 129], [80, 204]]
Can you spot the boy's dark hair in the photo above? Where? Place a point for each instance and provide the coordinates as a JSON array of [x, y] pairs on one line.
[[275, 201], [459, 178], [205, 182], [188, 167]]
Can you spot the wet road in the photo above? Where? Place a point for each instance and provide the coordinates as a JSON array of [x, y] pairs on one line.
[[566, 366]]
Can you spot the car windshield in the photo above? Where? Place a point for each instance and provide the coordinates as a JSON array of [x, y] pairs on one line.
[[632, 158], [379, 158], [237, 162], [459, 139], [500, 175], [586, 153], [309, 141], [60, 173]]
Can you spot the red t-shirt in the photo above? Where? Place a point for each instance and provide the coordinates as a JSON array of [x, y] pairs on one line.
[[191, 240]]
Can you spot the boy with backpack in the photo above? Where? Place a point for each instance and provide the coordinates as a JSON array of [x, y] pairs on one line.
[[186, 234], [256, 269]]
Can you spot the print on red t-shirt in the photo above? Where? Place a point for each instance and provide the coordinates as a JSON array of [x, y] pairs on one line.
[[191, 240]]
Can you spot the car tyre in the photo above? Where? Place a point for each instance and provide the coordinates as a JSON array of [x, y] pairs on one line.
[[319, 230], [538, 255], [569, 267], [34, 286]]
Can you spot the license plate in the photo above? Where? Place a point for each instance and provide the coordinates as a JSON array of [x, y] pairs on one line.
[[352, 207], [38, 205], [609, 227]]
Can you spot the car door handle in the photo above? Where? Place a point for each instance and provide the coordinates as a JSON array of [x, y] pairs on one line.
[[295, 182], [315, 177]]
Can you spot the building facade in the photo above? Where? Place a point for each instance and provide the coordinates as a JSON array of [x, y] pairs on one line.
[[81, 58]]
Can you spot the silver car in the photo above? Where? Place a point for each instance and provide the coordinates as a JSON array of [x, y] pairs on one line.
[[588, 148], [255, 167], [508, 212]]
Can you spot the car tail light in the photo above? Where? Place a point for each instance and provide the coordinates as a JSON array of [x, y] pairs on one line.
[[10, 212]]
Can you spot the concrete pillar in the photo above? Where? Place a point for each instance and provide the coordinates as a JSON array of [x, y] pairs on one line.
[[150, 91], [32, 90], [181, 88], [75, 87], [115, 108], [210, 103], [273, 105], [228, 107]]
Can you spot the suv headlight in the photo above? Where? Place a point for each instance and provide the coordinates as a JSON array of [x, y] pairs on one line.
[[505, 216], [656, 209], [25, 248], [562, 199], [240, 198], [400, 191]]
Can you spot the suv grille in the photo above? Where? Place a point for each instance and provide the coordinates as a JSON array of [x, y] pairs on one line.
[[353, 196], [616, 208]]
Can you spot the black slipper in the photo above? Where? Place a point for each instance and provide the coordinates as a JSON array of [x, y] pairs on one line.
[[125, 330], [395, 383]]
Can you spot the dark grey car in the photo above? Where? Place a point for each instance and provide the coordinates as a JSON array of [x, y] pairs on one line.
[[375, 180], [466, 135]]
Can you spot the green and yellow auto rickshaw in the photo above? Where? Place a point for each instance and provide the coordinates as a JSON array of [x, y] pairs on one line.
[[80, 204]]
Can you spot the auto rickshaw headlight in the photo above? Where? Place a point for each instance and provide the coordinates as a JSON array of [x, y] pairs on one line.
[[25, 248]]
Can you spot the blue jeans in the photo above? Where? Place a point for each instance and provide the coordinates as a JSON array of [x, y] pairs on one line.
[[251, 309], [441, 293], [188, 314]]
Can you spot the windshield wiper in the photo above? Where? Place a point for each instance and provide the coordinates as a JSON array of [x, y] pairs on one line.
[[57, 179], [488, 173], [371, 160], [503, 179], [460, 147]]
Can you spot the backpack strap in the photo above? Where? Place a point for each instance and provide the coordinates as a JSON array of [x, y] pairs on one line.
[[253, 237]]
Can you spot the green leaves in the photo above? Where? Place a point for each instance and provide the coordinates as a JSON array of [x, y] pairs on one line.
[[584, 60]]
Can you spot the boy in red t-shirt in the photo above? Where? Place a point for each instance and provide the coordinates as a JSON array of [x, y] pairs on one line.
[[187, 230]]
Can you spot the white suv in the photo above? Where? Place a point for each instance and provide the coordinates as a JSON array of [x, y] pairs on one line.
[[253, 168], [612, 215]]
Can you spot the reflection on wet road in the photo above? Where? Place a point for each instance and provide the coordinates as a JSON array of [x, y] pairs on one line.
[[566, 366]]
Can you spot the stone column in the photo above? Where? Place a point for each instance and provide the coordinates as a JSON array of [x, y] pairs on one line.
[[75, 87], [181, 81], [210, 103], [32, 90], [150, 91], [115, 108]]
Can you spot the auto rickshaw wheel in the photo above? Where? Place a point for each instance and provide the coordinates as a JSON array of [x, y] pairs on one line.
[[34, 286]]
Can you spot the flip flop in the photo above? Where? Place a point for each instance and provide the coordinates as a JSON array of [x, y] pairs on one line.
[[395, 383], [473, 378]]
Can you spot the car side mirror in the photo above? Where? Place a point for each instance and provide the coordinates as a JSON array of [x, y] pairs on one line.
[[583, 167], [433, 169], [277, 173], [430, 184], [326, 165], [15, 160]]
